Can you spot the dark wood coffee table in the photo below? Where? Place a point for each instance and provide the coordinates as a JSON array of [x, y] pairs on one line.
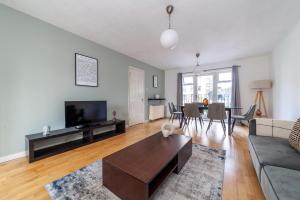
[[135, 172]]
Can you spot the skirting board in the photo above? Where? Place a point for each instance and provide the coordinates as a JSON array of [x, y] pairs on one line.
[[17, 155], [12, 157]]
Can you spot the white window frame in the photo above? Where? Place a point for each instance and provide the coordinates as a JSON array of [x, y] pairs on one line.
[[193, 84], [216, 80]]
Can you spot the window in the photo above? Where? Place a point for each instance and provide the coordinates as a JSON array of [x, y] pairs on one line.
[[225, 76], [215, 86], [224, 88], [188, 89], [204, 87]]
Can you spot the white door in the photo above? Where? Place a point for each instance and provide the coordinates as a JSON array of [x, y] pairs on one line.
[[136, 95]]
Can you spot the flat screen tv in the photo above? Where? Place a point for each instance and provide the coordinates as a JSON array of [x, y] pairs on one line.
[[83, 113]]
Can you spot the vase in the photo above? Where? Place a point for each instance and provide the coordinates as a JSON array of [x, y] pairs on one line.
[[258, 113], [205, 102], [114, 115]]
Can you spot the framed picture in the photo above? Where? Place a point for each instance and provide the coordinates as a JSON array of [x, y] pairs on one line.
[[155, 81], [86, 70]]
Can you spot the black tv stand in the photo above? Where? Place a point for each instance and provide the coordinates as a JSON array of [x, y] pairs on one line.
[[55, 146]]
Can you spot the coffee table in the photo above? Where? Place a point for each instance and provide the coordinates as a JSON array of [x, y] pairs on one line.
[[135, 172]]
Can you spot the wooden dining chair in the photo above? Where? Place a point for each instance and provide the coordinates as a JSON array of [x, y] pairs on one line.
[[216, 111], [191, 112]]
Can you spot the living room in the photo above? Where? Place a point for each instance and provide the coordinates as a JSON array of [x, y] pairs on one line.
[[158, 99]]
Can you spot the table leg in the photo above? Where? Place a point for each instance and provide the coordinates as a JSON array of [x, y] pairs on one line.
[[229, 122], [182, 117]]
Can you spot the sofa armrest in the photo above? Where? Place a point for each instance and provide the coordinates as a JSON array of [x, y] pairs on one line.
[[252, 127], [270, 127], [264, 127]]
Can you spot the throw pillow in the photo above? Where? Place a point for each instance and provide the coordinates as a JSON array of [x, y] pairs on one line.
[[294, 138]]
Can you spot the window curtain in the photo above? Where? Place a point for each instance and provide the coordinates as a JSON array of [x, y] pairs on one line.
[[179, 89], [235, 96]]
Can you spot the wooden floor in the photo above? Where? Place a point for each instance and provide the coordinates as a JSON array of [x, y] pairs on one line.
[[20, 180]]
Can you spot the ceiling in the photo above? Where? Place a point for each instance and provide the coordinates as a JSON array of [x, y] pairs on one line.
[[220, 30]]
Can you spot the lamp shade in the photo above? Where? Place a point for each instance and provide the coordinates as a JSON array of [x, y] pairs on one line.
[[261, 84], [169, 39]]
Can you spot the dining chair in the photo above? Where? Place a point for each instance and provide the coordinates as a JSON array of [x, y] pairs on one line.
[[175, 109], [199, 105], [216, 111], [246, 117], [191, 111], [201, 111], [174, 113]]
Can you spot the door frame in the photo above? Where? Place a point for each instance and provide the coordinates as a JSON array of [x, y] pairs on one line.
[[130, 68]]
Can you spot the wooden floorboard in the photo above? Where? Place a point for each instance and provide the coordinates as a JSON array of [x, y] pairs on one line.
[[20, 180]]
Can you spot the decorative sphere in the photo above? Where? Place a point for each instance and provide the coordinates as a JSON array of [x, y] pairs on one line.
[[169, 39]]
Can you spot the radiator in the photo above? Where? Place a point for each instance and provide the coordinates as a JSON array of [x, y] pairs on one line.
[[156, 112]]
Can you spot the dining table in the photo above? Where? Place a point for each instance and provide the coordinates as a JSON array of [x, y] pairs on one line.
[[202, 108]]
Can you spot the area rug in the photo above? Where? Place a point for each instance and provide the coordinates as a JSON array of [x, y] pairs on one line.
[[201, 178]]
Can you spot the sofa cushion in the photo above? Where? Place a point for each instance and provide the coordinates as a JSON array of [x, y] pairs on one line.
[[275, 151], [280, 182], [294, 138], [282, 128]]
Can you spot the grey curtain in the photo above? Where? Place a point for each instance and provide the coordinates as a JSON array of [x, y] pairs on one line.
[[179, 89], [235, 96]]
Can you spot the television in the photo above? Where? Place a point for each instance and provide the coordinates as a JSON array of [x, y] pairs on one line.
[[83, 113]]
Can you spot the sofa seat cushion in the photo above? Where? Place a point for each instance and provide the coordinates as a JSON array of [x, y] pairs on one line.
[[275, 151], [281, 182]]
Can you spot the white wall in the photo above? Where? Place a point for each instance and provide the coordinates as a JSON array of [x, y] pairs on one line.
[[286, 75], [252, 68]]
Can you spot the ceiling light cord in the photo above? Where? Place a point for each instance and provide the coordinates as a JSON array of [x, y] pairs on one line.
[[169, 10], [169, 21]]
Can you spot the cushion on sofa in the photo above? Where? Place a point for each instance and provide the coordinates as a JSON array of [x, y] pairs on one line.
[[281, 183], [282, 128], [294, 138], [275, 151]]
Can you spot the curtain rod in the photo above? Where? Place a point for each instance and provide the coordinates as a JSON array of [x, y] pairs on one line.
[[207, 70]]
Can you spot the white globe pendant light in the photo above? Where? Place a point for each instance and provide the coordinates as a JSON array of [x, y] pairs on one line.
[[169, 38]]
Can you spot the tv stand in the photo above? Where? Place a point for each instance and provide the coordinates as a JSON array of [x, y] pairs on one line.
[[57, 143]]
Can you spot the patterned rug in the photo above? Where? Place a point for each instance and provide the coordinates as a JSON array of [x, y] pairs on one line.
[[200, 178]]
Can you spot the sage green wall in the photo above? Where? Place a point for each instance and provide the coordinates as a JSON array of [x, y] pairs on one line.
[[37, 76]]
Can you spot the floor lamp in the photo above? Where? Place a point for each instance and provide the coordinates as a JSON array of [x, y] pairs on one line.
[[260, 86]]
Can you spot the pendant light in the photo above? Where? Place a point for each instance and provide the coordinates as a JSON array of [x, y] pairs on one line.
[[169, 38], [197, 65]]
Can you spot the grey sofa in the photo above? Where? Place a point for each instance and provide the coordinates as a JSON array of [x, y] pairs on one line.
[[276, 163]]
